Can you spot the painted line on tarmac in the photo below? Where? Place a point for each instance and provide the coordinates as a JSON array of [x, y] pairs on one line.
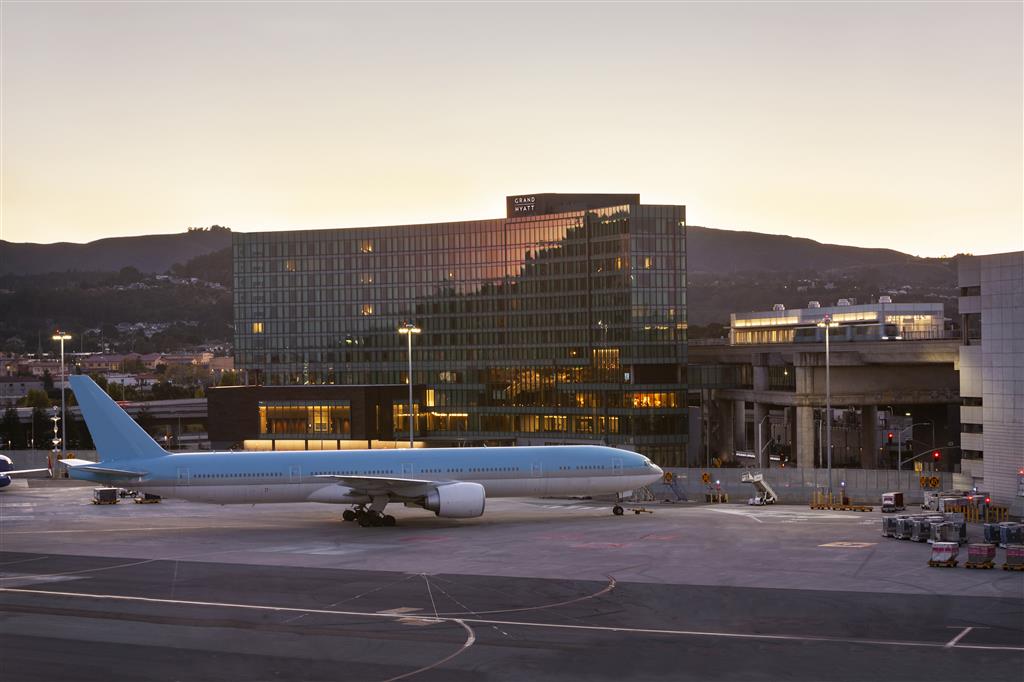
[[129, 530], [508, 623], [952, 643]]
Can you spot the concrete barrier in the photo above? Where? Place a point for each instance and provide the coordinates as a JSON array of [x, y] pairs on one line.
[[797, 486]]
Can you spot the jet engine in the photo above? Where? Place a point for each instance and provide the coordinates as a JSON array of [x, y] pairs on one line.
[[461, 500]]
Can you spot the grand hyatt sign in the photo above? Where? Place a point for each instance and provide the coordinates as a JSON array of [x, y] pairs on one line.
[[527, 204], [524, 205]]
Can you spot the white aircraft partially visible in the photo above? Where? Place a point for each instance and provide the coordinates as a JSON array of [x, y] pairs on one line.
[[7, 470]]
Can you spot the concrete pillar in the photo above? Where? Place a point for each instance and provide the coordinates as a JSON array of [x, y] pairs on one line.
[[869, 437], [740, 425], [790, 438], [805, 436], [725, 447], [759, 362], [760, 412]]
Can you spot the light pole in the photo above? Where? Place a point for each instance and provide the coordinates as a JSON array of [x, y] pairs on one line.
[[827, 323], [62, 337], [409, 329], [760, 449], [603, 363], [899, 446]]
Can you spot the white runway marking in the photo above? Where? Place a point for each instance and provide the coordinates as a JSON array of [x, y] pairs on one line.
[[952, 643], [20, 579], [735, 512], [526, 624]]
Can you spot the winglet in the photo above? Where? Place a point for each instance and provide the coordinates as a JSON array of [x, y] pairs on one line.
[[116, 435]]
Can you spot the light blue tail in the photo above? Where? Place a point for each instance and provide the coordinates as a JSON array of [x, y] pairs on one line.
[[116, 435]]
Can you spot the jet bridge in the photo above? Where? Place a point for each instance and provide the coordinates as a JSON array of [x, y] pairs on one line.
[[763, 491]]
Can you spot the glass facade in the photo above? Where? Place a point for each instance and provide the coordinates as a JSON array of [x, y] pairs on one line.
[[560, 327]]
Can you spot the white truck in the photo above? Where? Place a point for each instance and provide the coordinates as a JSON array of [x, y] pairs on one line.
[[892, 502]]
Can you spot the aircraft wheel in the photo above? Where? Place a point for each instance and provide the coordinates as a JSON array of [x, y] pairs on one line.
[[365, 520], [348, 515], [389, 520], [618, 510]]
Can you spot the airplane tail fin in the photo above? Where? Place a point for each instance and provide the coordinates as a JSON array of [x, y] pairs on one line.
[[116, 435]]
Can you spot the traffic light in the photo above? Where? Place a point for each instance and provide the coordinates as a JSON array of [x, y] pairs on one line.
[[936, 455], [890, 437]]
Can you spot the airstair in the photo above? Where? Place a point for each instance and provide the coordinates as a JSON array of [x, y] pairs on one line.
[[763, 491]]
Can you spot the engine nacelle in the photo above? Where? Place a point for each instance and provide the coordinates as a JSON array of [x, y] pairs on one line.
[[461, 500]]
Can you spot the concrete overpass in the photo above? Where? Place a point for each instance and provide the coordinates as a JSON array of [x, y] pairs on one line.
[[915, 376]]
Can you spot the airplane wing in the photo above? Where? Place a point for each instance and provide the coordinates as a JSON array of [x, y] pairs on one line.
[[21, 471], [87, 465], [379, 485], [113, 473], [75, 462]]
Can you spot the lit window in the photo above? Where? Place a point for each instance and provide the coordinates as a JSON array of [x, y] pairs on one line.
[[366, 246], [289, 265], [366, 309], [257, 327]]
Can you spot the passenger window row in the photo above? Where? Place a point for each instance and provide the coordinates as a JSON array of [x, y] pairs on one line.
[[267, 474]]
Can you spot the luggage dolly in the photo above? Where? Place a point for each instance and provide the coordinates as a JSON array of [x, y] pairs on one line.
[[948, 563], [619, 510]]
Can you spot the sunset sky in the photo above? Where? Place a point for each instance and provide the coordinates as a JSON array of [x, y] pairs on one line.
[[880, 124]]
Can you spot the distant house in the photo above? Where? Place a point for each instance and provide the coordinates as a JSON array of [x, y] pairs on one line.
[[103, 363], [151, 360], [13, 389], [222, 364], [199, 359]]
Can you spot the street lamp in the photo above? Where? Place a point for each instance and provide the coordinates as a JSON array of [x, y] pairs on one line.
[[899, 447], [409, 329], [827, 323], [603, 364], [62, 337], [760, 448]]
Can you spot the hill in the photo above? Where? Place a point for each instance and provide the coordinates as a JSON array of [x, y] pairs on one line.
[[151, 253], [722, 251]]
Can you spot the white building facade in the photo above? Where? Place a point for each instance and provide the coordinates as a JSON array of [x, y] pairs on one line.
[[992, 375]]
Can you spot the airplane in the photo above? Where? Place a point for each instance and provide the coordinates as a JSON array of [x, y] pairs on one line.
[[7, 470], [451, 482]]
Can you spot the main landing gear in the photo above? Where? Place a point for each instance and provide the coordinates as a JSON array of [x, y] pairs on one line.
[[368, 517], [618, 510]]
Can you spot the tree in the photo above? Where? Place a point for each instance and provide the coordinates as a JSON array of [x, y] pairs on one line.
[[41, 430], [37, 398], [228, 378], [11, 431], [47, 381]]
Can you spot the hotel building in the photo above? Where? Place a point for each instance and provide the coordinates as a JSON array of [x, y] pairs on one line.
[[563, 322]]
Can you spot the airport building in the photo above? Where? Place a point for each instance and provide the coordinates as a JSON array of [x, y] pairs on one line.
[[879, 321], [563, 322], [992, 375]]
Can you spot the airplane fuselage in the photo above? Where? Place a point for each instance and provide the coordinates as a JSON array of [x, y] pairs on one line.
[[306, 476]]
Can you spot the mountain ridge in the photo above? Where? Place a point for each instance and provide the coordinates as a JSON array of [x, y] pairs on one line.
[[710, 250]]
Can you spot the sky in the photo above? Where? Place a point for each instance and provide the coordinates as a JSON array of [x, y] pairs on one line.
[[876, 124]]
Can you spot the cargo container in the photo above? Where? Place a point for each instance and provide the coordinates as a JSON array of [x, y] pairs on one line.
[[104, 496]]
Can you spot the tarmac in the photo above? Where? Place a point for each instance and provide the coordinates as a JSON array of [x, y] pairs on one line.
[[533, 590]]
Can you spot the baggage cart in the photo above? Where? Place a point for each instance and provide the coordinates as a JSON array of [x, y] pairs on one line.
[[1010, 533], [104, 496], [981, 555], [1014, 558], [944, 554]]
